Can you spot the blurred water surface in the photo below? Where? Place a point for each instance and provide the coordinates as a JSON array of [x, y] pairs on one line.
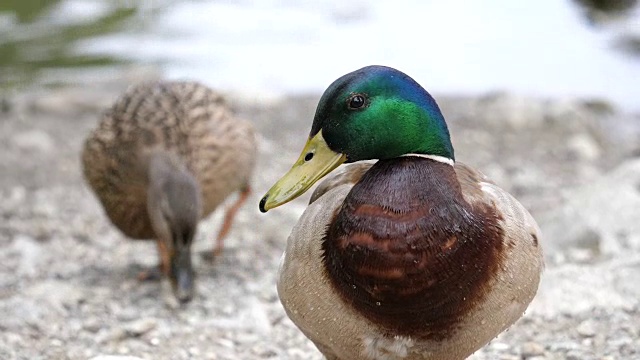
[[546, 47]]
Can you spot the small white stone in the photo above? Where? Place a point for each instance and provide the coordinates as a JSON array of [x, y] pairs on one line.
[[532, 349], [584, 146], [225, 343], [586, 329], [30, 253], [500, 346]]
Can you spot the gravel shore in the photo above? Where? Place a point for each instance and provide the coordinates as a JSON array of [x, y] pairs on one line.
[[68, 287]]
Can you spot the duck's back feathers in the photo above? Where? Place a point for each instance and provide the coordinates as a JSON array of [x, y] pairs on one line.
[[188, 121], [444, 268]]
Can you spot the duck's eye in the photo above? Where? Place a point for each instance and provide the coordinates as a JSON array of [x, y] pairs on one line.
[[308, 156], [356, 101]]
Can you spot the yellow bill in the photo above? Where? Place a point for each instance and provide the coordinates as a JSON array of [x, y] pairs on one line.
[[316, 161]]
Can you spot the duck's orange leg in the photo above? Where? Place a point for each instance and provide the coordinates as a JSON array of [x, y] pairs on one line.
[[164, 256], [162, 269], [228, 219]]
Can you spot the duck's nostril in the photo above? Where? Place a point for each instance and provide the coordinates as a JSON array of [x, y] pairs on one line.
[[308, 156]]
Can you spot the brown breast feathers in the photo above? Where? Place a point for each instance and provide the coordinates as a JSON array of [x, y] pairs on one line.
[[409, 252]]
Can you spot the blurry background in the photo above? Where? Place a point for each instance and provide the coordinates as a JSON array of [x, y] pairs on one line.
[[588, 48]]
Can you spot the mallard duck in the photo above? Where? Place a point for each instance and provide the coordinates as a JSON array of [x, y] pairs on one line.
[[163, 157], [415, 256]]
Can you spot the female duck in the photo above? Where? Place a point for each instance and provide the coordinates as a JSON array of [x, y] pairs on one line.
[[413, 257], [163, 157]]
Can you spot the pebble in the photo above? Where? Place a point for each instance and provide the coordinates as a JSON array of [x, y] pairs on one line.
[[574, 355], [115, 357], [531, 350], [93, 324], [210, 356], [30, 253], [227, 343], [34, 140], [295, 353], [128, 314], [509, 357], [194, 351], [264, 352], [586, 329], [584, 146], [56, 343], [500, 346], [139, 327]]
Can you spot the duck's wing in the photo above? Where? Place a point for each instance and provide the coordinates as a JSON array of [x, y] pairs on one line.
[[517, 221]]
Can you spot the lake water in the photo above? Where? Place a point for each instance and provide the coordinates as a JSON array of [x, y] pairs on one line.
[[541, 48]]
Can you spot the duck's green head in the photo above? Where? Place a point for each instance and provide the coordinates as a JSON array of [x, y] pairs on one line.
[[376, 112]]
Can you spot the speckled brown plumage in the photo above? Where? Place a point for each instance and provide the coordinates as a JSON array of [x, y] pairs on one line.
[[186, 125]]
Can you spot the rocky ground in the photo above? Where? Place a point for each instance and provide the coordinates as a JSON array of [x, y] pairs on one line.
[[68, 287]]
